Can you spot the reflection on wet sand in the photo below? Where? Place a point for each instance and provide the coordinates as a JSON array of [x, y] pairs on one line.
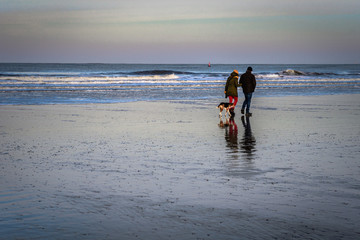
[[231, 135], [248, 141], [240, 154]]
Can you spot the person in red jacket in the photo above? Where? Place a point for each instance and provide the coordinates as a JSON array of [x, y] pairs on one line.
[[248, 83]]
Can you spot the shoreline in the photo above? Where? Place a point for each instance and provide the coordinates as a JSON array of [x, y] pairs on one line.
[[169, 170], [207, 100]]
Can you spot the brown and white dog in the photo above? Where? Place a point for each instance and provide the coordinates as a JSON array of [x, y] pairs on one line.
[[227, 107]]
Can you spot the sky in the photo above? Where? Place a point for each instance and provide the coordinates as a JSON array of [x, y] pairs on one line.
[[186, 31]]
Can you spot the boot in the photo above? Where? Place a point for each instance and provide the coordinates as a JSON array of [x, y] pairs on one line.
[[232, 112]]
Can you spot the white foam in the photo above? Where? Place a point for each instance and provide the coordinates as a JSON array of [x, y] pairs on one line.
[[271, 75]]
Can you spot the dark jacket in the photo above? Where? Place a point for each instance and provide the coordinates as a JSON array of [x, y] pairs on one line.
[[248, 82], [231, 85]]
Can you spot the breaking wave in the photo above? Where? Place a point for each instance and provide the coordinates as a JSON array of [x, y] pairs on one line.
[[292, 72], [159, 72]]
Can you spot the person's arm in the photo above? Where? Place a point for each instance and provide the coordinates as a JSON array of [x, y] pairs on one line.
[[226, 85], [241, 79], [237, 82]]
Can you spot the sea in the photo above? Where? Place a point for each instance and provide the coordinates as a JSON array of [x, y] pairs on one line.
[[59, 83]]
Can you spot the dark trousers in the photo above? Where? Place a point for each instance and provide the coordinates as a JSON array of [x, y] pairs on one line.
[[247, 102]]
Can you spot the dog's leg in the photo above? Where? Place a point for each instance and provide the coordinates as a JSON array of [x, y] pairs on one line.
[[221, 109], [228, 111]]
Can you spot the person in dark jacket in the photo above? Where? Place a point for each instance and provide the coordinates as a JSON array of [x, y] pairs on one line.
[[231, 86], [248, 82]]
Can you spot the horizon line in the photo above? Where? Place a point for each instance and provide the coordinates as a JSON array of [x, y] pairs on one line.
[[132, 63]]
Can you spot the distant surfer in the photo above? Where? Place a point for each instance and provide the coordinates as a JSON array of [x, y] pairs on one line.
[[231, 86], [209, 65], [248, 83]]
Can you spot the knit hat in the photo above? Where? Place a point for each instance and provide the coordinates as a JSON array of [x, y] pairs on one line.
[[249, 68], [236, 71]]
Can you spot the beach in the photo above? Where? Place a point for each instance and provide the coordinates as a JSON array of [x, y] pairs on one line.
[[170, 169]]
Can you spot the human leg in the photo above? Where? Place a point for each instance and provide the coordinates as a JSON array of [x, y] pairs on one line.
[[248, 97], [235, 101], [246, 103], [231, 99]]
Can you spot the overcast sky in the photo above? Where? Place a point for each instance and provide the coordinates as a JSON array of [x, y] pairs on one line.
[[186, 31]]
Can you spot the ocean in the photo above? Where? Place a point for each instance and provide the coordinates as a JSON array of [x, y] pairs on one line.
[[29, 83]]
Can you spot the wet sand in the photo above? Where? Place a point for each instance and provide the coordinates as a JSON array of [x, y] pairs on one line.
[[172, 170]]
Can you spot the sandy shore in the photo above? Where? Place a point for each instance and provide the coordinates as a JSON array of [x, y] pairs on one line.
[[171, 170]]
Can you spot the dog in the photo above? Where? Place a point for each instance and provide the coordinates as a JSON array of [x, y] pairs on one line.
[[227, 107]]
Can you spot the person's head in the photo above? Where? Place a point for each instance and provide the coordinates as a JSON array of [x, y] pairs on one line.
[[249, 69], [236, 71]]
